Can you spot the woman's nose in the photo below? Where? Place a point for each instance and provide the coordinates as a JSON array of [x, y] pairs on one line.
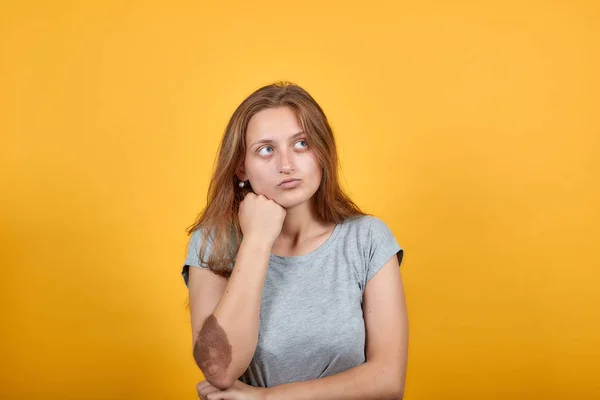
[[285, 165]]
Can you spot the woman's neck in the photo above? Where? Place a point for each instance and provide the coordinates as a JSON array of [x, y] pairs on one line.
[[301, 223]]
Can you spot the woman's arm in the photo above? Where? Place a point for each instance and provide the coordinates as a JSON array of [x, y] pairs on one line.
[[228, 338], [382, 376]]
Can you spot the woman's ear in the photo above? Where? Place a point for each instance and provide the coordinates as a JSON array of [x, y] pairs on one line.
[[241, 173]]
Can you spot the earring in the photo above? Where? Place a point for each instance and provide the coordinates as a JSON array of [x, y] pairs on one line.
[[242, 184]]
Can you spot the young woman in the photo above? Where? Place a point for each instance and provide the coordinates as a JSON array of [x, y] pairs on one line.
[[294, 292]]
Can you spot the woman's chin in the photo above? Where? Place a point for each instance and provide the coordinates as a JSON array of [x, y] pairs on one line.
[[289, 203], [288, 198]]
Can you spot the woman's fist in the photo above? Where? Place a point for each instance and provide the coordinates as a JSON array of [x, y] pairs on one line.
[[261, 218]]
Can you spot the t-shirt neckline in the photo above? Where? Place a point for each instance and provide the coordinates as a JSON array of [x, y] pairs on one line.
[[310, 256]]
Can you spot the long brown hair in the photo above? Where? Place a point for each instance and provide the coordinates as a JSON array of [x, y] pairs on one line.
[[219, 219]]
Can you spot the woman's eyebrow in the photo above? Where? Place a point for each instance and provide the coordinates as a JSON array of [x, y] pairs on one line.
[[262, 141]]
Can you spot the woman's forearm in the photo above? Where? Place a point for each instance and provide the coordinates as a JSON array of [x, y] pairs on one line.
[[228, 338], [371, 380]]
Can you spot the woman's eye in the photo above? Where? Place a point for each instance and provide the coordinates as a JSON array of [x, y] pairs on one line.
[[305, 144], [262, 152]]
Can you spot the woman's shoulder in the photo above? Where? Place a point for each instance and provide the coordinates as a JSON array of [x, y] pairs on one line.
[[366, 228], [198, 234], [366, 222], [204, 232]]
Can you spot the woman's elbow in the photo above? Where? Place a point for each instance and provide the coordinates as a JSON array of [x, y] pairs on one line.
[[399, 394], [398, 391], [395, 388], [215, 372], [213, 355]]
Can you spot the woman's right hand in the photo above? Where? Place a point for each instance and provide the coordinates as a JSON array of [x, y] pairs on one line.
[[261, 218]]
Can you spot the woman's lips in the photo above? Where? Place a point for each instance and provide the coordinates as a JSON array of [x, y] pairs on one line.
[[290, 184]]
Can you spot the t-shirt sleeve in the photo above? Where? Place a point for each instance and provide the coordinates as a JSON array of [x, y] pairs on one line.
[[383, 246], [193, 255]]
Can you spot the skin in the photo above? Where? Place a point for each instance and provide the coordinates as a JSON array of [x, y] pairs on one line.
[[213, 351], [277, 150]]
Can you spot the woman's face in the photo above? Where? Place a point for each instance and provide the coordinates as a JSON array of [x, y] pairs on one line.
[[277, 150]]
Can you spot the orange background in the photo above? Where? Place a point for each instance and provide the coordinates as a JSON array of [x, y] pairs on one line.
[[470, 127]]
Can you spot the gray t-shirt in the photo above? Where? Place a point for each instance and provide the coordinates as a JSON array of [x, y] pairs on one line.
[[311, 318]]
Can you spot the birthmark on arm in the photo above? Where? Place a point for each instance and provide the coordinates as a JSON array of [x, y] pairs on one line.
[[212, 352]]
